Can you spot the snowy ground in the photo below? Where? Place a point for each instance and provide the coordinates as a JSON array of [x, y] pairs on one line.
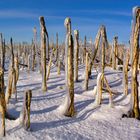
[[91, 122]]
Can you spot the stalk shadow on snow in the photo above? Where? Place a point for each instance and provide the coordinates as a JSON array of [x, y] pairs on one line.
[[91, 87], [54, 86], [82, 104], [14, 112], [37, 126], [38, 87], [49, 96], [22, 79], [28, 85], [15, 129], [78, 90], [57, 77], [56, 96], [33, 89], [106, 100], [115, 83], [115, 96], [56, 81], [46, 110], [111, 73]]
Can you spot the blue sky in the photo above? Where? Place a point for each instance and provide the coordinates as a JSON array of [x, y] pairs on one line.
[[18, 17]]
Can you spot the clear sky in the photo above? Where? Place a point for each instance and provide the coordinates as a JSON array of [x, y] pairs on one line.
[[18, 17]]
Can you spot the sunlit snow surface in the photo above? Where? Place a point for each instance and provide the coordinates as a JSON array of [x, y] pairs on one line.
[[90, 122]]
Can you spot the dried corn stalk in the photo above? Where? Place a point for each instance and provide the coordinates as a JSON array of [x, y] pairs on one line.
[[44, 33], [2, 102], [134, 111], [115, 53], [125, 72], [76, 40], [86, 72], [25, 113], [11, 87], [96, 43], [69, 69]]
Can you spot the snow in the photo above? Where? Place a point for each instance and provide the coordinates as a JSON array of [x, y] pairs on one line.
[[91, 122], [63, 108]]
